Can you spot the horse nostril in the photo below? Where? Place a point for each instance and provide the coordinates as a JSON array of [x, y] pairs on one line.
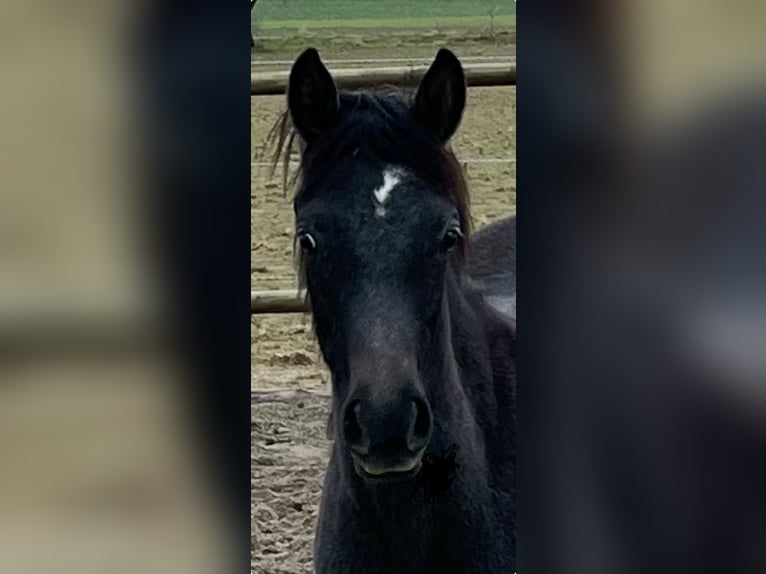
[[352, 431], [421, 428], [387, 428]]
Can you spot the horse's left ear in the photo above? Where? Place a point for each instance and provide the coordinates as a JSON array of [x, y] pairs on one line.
[[440, 98], [312, 97]]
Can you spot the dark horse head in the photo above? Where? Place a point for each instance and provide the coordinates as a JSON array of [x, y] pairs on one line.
[[423, 368], [382, 224]]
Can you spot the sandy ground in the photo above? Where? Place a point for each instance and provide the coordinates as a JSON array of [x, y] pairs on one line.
[[289, 449]]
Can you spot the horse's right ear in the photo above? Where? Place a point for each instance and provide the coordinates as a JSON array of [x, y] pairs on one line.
[[440, 99], [311, 96]]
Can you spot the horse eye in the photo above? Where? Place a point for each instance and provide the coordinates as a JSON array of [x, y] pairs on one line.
[[307, 241], [451, 238]]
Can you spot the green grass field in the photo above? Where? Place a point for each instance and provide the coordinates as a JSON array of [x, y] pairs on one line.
[[368, 23], [389, 14]]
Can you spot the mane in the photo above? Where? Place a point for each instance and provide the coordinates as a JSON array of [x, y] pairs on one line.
[[378, 124]]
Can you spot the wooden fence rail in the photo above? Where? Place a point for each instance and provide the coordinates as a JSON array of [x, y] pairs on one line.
[[278, 301], [476, 75]]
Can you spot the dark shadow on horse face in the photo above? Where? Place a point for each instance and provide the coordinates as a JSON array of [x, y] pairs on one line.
[[380, 208]]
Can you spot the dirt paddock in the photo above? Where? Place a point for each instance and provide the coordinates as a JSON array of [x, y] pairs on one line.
[[289, 450]]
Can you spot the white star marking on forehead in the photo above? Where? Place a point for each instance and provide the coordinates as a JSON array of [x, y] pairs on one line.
[[391, 178]]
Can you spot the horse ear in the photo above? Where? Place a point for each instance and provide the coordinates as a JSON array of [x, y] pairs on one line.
[[312, 97], [440, 98]]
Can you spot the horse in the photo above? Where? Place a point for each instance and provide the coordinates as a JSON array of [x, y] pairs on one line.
[[493, 264], [422, 362]]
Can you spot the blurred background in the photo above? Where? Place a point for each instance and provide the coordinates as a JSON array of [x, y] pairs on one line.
[[105, 466], [642, 286]]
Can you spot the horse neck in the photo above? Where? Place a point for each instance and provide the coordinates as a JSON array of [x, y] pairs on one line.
[[464, 328], [477, 357]]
